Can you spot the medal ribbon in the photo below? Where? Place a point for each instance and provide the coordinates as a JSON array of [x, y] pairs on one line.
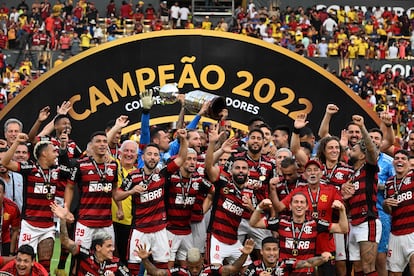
[[102, 174]]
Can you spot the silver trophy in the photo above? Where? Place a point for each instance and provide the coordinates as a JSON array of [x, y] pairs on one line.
[[194, 100]]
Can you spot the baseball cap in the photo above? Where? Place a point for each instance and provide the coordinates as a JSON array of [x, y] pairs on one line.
[[313, 162]]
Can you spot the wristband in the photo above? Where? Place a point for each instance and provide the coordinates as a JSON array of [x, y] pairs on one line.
[[296, 130], [145, 111], [258, 208], [388, 125]]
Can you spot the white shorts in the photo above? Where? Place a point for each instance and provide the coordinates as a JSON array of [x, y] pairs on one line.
[[220, 251], [179, 245], [32, 235], [400, 250], [157, 242], [199, 233], [340, 247], [256, 234], [360, 233], [83, 234]]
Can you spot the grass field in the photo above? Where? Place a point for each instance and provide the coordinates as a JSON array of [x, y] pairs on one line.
[[55, 258]]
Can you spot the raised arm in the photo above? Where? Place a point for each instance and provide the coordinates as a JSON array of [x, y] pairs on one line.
[[62, 109], [7, 161], [120, 122], [372, 154], [143, 254], [210, 168], [387, 145], [43, 115], [182, 153], [235, 267], [68, 243], [257, 220], [299, 154], [342, 226], [331, 109]]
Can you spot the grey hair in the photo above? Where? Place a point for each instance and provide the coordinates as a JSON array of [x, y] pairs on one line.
[[99, 237], [284, 150], [191, 151], [13, 121], [126, 142]]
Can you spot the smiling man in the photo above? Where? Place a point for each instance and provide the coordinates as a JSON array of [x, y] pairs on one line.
[[96, 260], [271, 264], [297, 235], [25, 263], [400, 204]]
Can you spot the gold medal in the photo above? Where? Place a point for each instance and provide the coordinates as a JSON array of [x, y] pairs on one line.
[[269, 270], [262, 178], [315, 215], [295, 252], [49, 196], [225, 190], [105, 189]]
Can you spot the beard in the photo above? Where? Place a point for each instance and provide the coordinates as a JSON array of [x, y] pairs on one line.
[[240, 179], [149, 165], [253, 150]]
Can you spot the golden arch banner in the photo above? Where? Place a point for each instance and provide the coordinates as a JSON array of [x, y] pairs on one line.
[[256, 78]]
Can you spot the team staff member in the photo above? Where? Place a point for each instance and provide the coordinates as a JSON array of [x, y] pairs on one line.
[[195, 263], [271, 264], [41, 180], [97, 181], [298, 235], [122, 211], [96, 260]]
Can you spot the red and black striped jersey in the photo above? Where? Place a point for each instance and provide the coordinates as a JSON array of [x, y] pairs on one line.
[[73, 151], [227, 211], [260, 173], [148, 208], [38, 192], [96, 182], [337, 175], [197, 212], [297, 240], [402, 215], [182, 193], [323, 200], [88, 265], [363, 201], [282, 267]]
